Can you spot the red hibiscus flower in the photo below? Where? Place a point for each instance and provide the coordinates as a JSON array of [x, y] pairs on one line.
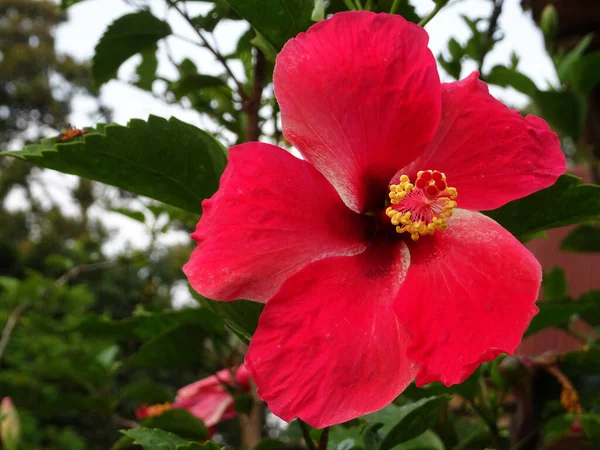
[[369, 253], [210, 399]]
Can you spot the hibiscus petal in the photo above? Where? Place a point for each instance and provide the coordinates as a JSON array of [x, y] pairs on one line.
[[211, 407], [360, 98], [272, 215], [469, 295], [490, 153], [329, 347]]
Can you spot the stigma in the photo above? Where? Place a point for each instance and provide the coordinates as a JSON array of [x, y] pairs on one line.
[[422, 208]]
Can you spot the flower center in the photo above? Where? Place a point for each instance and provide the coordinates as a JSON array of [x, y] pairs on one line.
[[423, 207]]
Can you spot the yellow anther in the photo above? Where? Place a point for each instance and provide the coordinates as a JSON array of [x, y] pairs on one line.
[[429, 202]]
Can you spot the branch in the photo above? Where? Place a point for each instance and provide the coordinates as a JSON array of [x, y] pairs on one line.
[[306, 433], [252, 423], [211, 49], [252, 105], [11, 323], [75, 271], [493, 24], [324, 439]]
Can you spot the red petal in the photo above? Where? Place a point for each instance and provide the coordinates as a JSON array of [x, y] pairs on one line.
[[329, 347], [469, 295], [490, 153], [272, 215], [360, 98]]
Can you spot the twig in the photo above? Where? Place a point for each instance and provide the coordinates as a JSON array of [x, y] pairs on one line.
[[11, 323], [75, 271], [395, 6], [306, 433], [493, 24], [211, 49], [432, 14], [252, 105], [252, 423], [123, 422], [324, 439]]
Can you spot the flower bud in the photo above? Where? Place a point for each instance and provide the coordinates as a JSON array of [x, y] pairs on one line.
[[549, 23], [10, 428]]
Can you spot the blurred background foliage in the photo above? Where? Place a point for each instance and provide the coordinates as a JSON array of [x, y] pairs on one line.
[[90, 333]]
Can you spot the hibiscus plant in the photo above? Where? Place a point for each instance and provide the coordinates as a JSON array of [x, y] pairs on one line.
[[364, 258]]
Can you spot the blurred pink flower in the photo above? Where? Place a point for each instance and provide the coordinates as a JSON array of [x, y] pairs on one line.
[[210, 399]]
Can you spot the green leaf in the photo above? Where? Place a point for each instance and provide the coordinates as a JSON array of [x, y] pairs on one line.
[[565, 65], [565, 111], [125, 37], [585, 238], [193, 82], [558, 315], [178, 348], [146, 325], [591, 314], [138, 216], [416, 418], [505, 77], [146, 69], [585, 74], [426, 441], [591, 427], [170, 161], [180, 422], [371, 437], [555, 285], [565, 203], [155, 439], [241, 316], [64, 4], [277, 20], [586, 360]]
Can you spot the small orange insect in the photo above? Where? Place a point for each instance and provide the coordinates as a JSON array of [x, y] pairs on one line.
[[70, 133]]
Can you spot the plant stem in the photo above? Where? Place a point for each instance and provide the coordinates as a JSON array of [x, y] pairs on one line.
[[211, 49], [493, 24], [11, 323], [306, 433], [350, 5], [432, 14], [252, 105], [324, 439], [395, 6]]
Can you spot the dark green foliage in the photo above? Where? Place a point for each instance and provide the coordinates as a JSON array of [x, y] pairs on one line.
[[584, 238], [127, 36], [276, 20]]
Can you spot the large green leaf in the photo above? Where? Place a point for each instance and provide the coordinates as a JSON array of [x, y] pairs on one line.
[[125, 37], [585, 238], [154, 439], [564, 110], [557, 315], [180, 422], [167, 160], [178, 348], [240, 315], [586, 73], [276, 20], [565, 203], [147, 325], [415, 418]]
